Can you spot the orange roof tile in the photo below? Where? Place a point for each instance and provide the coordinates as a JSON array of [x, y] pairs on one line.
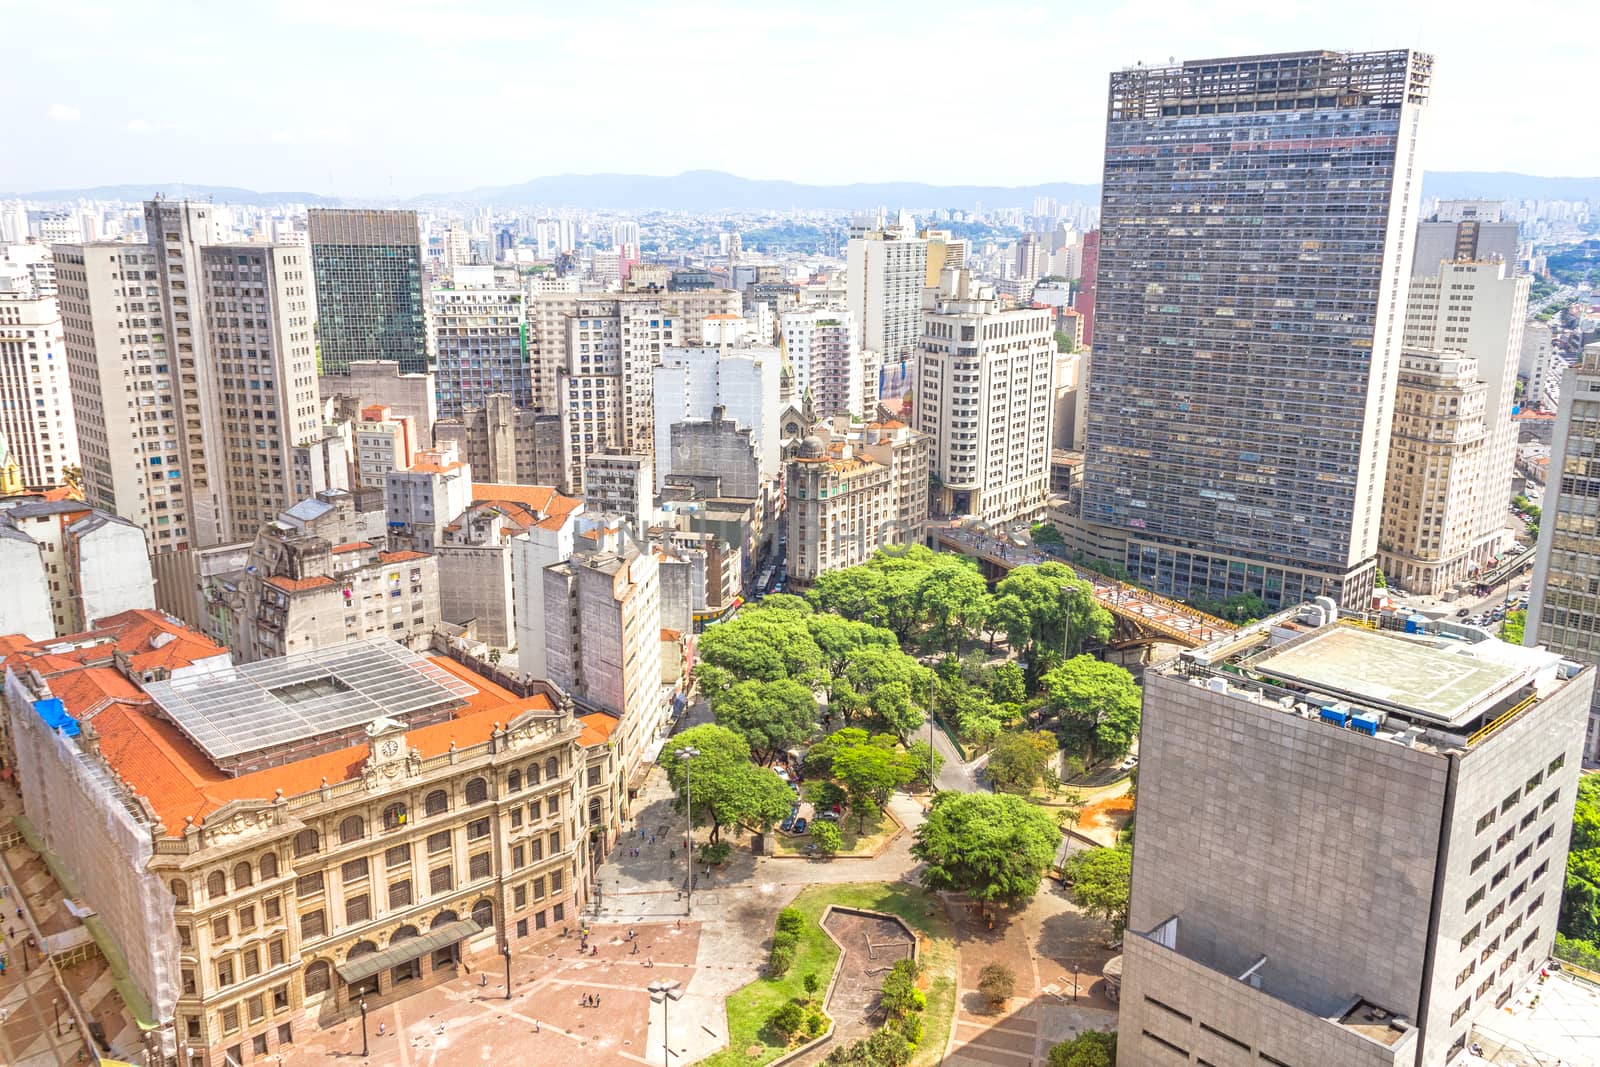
[[597, 728], [352, 546], [298, 585], [541, 498], [130, 632], [671, 635], [401, 557]]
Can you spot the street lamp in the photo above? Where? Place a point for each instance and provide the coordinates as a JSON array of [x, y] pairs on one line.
[[663, 993], [505, 950], [688, 754], [57, 1004], [364, 1026]]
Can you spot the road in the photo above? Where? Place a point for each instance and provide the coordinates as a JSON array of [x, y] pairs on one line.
[[956, 776]]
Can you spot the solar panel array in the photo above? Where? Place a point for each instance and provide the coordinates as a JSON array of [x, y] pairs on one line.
[[247, 708]]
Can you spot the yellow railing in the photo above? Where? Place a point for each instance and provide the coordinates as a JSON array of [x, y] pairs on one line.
[[1522, 706]]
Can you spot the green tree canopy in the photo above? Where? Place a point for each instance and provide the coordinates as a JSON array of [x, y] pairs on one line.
[[1092, 1048], [762, 644], [839, 639], [771, 716], [952, 599], [893, 685], [1047, 605], [721, 784], [991, 846], [1580, 905], [1100, 879], [1018, 759], [870, 772], [1098, 705]]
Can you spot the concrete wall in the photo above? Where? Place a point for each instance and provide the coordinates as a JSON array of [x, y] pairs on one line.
[[113, 572], [558, 641], [26, 607], [475, 583], [531, 553]]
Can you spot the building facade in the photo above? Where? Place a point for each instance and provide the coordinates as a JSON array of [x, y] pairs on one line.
[[744, 381], [36, 414], [1427, 778], [620, 485], [609, 383], [480, 342], [825, 356], [504, 443], [1240, 405], [985, 396], [886, 268], [371, 291]]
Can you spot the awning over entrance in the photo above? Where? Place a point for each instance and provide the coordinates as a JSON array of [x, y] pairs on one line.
[[364, 967]]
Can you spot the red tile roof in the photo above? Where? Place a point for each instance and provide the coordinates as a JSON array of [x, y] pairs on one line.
[[298, 585], [597, 728], [401, 557], [352, 546], [133, 633]]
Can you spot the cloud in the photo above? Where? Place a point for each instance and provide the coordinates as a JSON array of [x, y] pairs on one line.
[[64, 113], [137, 126]]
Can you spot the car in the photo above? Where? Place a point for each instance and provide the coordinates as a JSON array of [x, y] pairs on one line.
[[1128, 764], [800, 826], [831, 816], [787, 824], [1463, 613]]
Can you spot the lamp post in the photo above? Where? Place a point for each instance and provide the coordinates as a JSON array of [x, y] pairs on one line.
[[505, 950], [56, 1003], [663, 993], [687, 755], [364, 1026]]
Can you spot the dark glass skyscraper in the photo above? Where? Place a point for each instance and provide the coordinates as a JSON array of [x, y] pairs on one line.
[[1255, 246], [370, 290]]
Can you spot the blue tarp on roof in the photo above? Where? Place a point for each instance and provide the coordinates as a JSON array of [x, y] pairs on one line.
[[54, 714]]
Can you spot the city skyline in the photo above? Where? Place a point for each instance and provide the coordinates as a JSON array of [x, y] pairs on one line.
[[478, 67]]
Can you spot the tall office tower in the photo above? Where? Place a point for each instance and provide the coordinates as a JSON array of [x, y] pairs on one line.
[[692, 383], [886, 273], [1432, 497], [1256, 231], [260, 308], [1351, 846], [13, 222], [1564, 606], [625, 234], [479, 341], [549, 312], [1479, 308], [1468, 230], [125, 388], [1083, 299], [1033, 255], [1540, 366], [620, 486], [371, 294], [825, 357], [35, 392], [609, 382], [984, 394]]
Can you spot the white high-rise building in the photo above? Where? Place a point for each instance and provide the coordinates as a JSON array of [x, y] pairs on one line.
[[1540, 367], [612, 350], [1478, 308], [625, 234], [984, 394], [744, 381], [36, 413], [887, 271], [825, 355], [13, 222]]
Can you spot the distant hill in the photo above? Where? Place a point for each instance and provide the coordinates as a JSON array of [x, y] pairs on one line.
[[711, 190], [222, 194]]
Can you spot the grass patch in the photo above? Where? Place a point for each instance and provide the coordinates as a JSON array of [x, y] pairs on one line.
[[749, 1007], [853, 840]]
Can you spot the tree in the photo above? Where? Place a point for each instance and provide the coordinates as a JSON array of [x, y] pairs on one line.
[[994, 847], [1514, 627], [724, 788], [1379, 581], [763, 644], [826, 836], [1092, 1048], [893, 685], [1046, 533], [839, 639], [771, 716], [926, 762], [1580, 904], [786, 1020], [1018, 760], [1008, 686], [952, 599], [870, 772], [1100, 879], [997, 982], [900, 995], [1098, 705], [1047, 605]]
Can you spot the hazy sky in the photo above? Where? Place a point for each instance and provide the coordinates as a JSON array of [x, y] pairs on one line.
[[369, 97]]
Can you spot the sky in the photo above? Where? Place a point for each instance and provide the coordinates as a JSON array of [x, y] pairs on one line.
[[395, 98]]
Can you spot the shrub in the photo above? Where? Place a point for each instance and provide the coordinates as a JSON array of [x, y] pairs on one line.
[[787, 1021], [811, 983], [791, 921], [890, 1048], [826, 837], [900, 993], [816, 1024], [715, 853], [780, 960], [1092, 1048], [996, 982], [911, 1027]]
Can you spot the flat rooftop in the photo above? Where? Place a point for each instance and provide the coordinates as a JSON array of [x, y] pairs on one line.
[[233, 710], [1440, 679]]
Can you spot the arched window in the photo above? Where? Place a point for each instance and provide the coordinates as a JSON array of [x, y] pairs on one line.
[[477, 791], [483, 913], [180, 890], [514, 782], [445, 916], [438, 802], [394, 816], [552, 769], [361, 948], [241, 875], [305, 843], [405, 933], [533, 774], [216, 885], [269, 866], [594, 811], [319, 977], [352, 829]]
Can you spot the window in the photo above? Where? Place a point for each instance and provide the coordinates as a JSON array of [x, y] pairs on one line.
[[397, 856], [180, 891], [514, 782], [438, 803], [280, 998], [552, 804], [309, 885], [533, 774], [252, 961], [225, 971], [594, 811], [216, 885], [1476, 898], [269, 866], [219, 928], [440, 880], [400, 894], [185, 935], [1470, 936], [258, 1044], [1456, 1015], [538, 889], [241, 875], [552, 768], [247, 918], [1550, 801], [305, 843], [1479, 860], [477, 791], [539, 921], [189, 988], [1511, 801], [593, 777], [483, 913], [230, 1019], [352, 829], [516, 818], [478, 866], [1485, 821], [518, 857], [357, 909], [477, 829], [353, 870], [439, 842], [318, 977], [519, 897], [555, 881], [275, 952], [558, 912], [313, 924], [1466, 973], [555, 842], [394, 816], [1557, 763], [533, 811], [1538, 776]]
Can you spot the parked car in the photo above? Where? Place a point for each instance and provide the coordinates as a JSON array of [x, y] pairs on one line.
[[800, 826], [787, 824], [831, 816], [1463, 613]]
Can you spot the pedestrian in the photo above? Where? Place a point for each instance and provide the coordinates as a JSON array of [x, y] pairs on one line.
[[536, 1026], [635, 952], [648, 962], [483, 978], [597, 1000], [381, 1029]]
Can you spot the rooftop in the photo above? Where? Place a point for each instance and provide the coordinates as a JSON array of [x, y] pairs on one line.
[[234, 710]]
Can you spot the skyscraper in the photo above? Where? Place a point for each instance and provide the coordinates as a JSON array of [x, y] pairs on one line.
[[370, 290], [886, 273], [480, 341], [1256, 230], [36, 415]]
